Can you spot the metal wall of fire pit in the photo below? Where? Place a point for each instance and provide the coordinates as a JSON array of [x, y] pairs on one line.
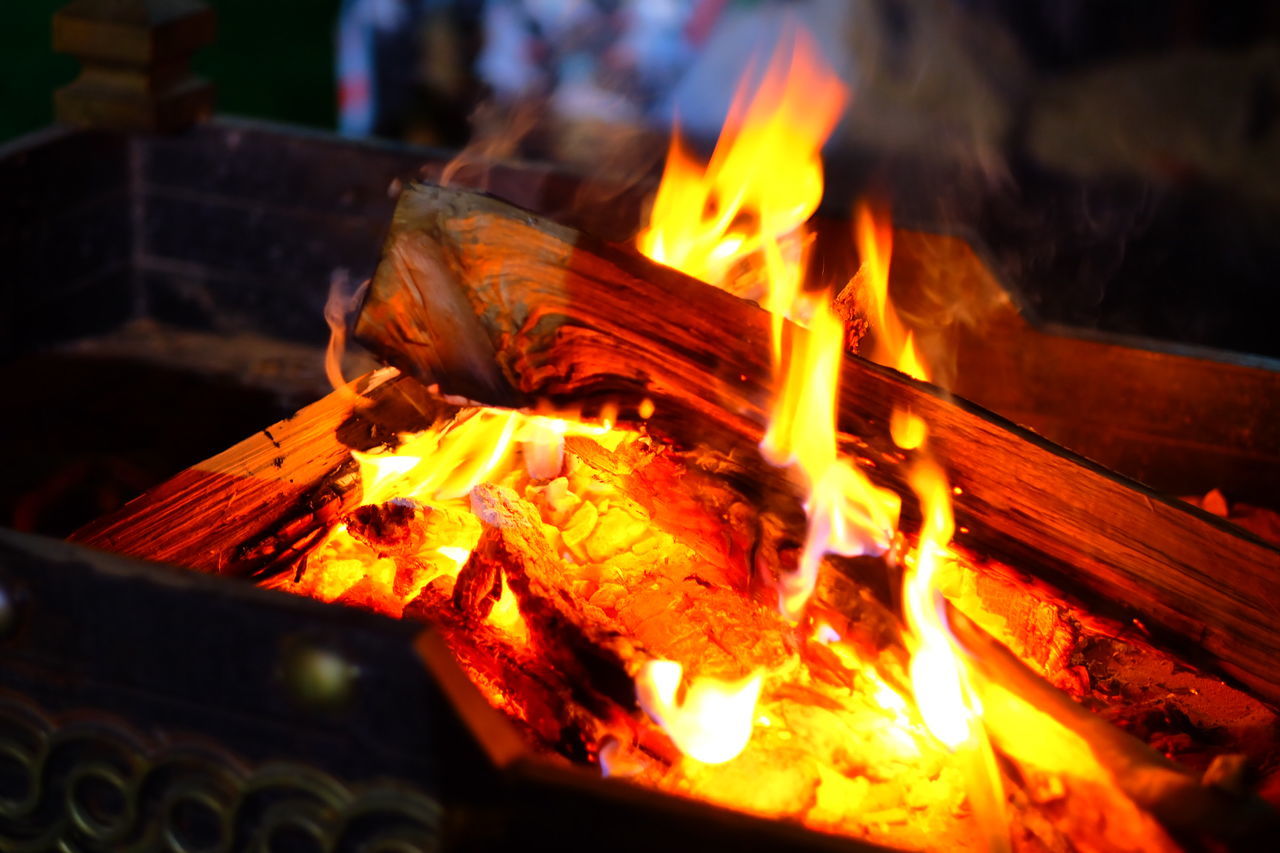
[[144, 707], [231, 226]]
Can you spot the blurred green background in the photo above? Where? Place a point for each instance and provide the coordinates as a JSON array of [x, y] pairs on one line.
[[272, 59]]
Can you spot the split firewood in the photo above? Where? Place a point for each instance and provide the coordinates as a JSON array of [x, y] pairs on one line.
[[499, 305], [259, 507]]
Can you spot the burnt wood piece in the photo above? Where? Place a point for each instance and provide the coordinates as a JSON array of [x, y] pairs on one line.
[[399, 527], [256, 508], [574, 634], [1198, 812], [497, 304]]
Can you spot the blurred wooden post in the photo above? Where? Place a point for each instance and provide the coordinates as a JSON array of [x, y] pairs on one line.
[[136, 72]]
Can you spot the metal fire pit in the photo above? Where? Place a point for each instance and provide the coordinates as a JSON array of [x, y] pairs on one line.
[[144, 707]]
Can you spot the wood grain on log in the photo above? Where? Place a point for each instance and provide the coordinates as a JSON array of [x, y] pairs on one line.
[[254, 507], [497, 304]]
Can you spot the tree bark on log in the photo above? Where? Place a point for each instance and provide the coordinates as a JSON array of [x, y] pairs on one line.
[[497, 304]]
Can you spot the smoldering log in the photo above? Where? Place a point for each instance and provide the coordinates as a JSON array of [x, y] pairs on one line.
[[500, 305]]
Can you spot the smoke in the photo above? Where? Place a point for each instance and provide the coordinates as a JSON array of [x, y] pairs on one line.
[[497, 132], [340, 309]]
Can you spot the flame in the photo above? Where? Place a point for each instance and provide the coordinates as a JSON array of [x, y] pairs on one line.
[[439, 464], [940, 676], [894, 343], [339, 307], [543, 447], [506, 614], [907, 429], [713, 722], [937, 672], [458, 555], [742, 216], [448, 461], [847, 514], [739, 223]]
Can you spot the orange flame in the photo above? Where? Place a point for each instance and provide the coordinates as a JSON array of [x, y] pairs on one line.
[[847, 514], [439, 464], [739, 224], [937, 672], [742, 216], [447, 462], [940, 676], [894, 343], [713, 722]]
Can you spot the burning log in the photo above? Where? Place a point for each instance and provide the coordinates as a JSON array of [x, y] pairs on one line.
[[273, 499], [497, 304], [257, 508]]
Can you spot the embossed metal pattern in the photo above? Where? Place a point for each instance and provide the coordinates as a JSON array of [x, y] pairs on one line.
[[86, 782]]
